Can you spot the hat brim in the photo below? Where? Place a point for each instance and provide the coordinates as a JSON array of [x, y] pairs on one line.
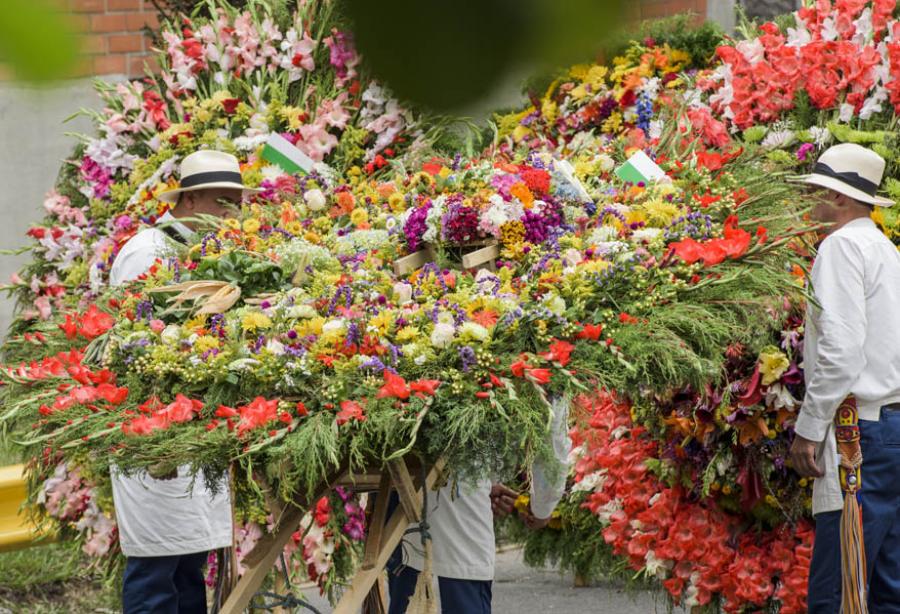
[[171, 196], [830, 183]]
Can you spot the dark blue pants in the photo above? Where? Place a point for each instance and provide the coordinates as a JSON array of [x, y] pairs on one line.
[[880, 501], [164, 585], [457, 596]]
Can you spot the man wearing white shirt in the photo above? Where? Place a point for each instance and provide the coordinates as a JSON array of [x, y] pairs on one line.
[[167, 526], [852, 347], [461, 526]]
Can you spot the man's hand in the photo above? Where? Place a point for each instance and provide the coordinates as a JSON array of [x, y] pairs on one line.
[[503, 498], [534, 523], [803, 457]]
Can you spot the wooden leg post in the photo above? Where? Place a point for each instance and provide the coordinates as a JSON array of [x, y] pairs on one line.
[[362, 583]]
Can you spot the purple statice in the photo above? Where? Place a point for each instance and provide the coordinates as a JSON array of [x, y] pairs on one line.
[[467, 358], [206, 239], [144, 311], [258, 344], [354, 335], [373, 363], [415, 226], [217, 325]]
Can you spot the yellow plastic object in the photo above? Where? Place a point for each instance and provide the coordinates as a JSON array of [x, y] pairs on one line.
[[15, 530]]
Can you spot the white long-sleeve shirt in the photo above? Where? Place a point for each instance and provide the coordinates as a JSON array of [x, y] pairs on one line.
[[164, 517], [852, 341], [461, 522]]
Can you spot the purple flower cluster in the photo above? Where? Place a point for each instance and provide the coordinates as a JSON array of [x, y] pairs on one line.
[[459, 224], [415, 227], [355, 527], [539, 226], [97, 175]]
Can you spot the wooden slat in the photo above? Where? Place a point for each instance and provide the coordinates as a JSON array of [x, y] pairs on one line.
[[260, 561], [376, 524], [480, 256], [404, 265], [406, 490], [363, 581]]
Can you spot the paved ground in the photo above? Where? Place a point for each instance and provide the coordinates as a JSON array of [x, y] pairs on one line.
[[518, 589]]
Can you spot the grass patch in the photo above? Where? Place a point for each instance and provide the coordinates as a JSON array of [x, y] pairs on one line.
[[53, 578]]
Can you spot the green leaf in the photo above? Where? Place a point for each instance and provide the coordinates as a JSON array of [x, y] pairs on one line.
[[36, 42]]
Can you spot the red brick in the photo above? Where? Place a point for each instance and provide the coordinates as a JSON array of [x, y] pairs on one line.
[[87, 6], [136, 65], [136, 21], [123, 5], [109, 23], [93, 43], [120, 43], [110, 65]]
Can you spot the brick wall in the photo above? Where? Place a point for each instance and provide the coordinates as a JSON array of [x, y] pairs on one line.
[[652, 9], [114, 42]]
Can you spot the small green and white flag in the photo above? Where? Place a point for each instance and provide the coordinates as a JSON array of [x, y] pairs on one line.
[[640, 168], [280, 152]]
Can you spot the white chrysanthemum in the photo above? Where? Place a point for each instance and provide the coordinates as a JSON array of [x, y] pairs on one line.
[[442, 335]]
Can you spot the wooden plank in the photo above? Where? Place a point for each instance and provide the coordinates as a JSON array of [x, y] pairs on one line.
[[410, 500], [363, 581], [406, 264], [376, 600], [480, 256], [376, 524]]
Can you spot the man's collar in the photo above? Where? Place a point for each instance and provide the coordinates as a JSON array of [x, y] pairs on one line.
[[172, 222]]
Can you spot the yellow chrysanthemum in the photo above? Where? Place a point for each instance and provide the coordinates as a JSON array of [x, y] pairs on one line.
[[204, 343], [195, 323], [660, 213], [382, 321], [406, 334], [231, 223], [358, 217], [397, 202], [312, 237], [772, 364], [255, 320], [295, 227], [251, 226], [312, 326]]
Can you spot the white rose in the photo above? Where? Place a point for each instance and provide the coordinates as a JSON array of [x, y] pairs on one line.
[[333, 326], [472, 330], [315, 200], [442, 335], [403, 291], [171, 334], [302, 311]]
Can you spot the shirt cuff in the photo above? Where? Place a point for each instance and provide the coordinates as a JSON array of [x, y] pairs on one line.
[[810, 427]]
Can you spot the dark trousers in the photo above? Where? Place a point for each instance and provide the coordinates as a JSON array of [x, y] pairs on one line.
[[164, 585], [880, 501], [457, 596]]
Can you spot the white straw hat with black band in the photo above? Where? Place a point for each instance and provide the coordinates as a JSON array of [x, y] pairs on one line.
[[851, 170], [208, 169]]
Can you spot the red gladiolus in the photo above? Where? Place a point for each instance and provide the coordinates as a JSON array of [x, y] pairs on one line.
[[425, 387], [95, 322], [538, 376], [112, 394], [223, 411], [394, 387], [229, 105], [323, 511], [69, 327], [258, 413], [591, 332], [182, 409], [560, 351], [518, 367], [301, 409], [350, 410]]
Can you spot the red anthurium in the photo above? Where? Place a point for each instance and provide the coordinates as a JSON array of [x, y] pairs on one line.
[[394, 387], [350, 410]]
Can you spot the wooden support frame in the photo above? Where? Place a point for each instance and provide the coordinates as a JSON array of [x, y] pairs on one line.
[[383, 538]]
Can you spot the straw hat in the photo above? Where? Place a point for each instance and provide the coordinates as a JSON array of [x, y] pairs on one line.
[[851, 170], [207, 169]]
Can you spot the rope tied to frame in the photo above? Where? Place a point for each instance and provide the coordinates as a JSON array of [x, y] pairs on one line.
[[853, 550]]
